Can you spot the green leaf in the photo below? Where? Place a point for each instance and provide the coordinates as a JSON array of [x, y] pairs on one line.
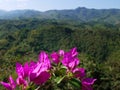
[[59, 79], [75, 82]]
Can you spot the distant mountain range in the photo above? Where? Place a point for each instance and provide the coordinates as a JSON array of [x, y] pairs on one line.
[[80, 14]]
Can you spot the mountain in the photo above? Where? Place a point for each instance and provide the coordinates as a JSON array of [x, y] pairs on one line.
[[2, 13], [18, 14], [80, 14]]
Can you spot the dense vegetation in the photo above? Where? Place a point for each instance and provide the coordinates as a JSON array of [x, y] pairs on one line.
[[98, 44]]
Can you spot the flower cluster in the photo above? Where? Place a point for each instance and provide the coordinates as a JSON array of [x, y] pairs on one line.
[[55, 67]]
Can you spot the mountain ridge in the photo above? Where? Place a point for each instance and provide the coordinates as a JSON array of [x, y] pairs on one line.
[[80, 14]]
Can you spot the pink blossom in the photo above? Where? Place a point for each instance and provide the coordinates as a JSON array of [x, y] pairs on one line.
[[43, 58], [61, 52], [21, 81], [38, 73], [42, 78], [87, 83], [79, 73], [9, 86], [55, 57], [74, 52], [70, 60], [19, 69], [22, 70]]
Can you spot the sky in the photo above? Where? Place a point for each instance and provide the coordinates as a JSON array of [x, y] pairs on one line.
[[44, 5]]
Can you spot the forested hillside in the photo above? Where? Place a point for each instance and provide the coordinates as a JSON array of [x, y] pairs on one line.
[[98, 44]]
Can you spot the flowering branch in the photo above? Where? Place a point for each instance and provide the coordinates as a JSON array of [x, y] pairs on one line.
[[60, 68]]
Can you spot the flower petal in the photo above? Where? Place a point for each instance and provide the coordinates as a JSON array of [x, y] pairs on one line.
[[87, 83], [12, 83], [61, 52], [74, 52], [26, 70], [42, 56], [79, 73], [6, 85], [21, 81], [19, 69], [55, 57], [42, 78]]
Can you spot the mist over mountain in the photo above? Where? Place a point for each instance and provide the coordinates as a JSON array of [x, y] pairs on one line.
[[80, 14]]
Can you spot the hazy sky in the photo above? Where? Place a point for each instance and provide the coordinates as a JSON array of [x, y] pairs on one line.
[[43, 5]]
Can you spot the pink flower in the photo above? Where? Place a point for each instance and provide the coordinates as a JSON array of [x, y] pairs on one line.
[[32, 66], [9, 86], [26, 70], [39, 74], [70, 60], [74, 52], [79, 73], [36, 72], [61, 52], [73, 64], [22, 70], [87, 83], [43, 58], [55, 57], [19, 69], [21, 81], [41, 78]]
